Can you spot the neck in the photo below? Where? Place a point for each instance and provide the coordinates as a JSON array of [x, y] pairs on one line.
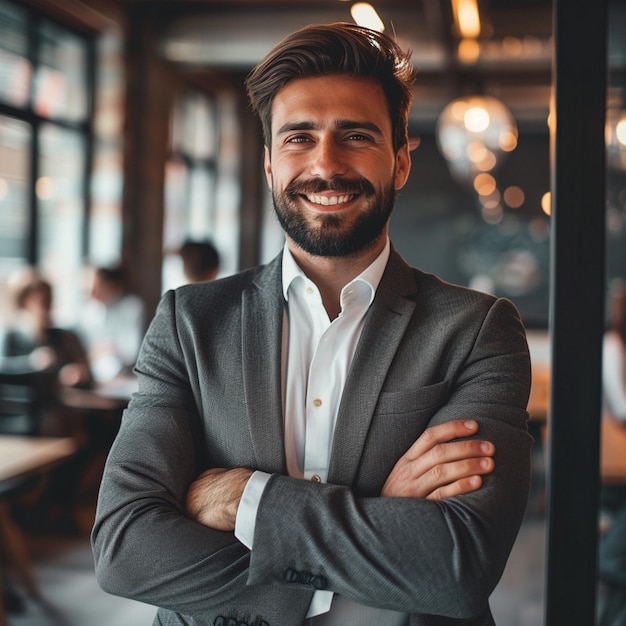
[[332, 274]]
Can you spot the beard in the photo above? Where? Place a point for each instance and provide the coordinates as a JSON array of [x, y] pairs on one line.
[[332, 234]]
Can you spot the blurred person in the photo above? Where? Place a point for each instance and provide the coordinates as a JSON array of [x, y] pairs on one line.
[[112, 324], [612, 545], [334, 438], [614, 355], [36, 344], [201, 261]]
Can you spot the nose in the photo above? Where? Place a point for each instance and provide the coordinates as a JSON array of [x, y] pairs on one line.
[[328, 160]]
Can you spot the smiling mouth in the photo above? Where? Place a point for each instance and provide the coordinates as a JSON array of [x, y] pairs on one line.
[[329, 200]]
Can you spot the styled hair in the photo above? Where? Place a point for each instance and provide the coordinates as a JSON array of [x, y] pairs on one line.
[[339, 48]]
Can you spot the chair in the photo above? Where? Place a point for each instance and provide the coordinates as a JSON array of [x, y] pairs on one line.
[[22, 400]]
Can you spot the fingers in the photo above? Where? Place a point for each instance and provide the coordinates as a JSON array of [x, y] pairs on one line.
[[442, 463], [465, 485], [440, 434]]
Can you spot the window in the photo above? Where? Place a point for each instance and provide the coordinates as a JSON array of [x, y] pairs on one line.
[[45, 137], [201, 192]]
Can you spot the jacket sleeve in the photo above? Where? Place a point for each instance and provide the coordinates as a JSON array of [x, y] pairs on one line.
[[411, 555], [144, 546]]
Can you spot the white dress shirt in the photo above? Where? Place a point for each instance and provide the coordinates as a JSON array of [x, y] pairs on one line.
[[614, 375], [317, 354]]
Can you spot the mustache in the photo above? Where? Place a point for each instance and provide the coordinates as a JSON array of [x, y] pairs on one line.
[[339, 185]]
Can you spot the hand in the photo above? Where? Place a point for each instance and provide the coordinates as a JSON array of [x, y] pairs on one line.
[[436, 467], [213, 498], [42, 358]]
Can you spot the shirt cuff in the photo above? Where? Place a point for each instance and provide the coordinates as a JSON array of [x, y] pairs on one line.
[[320, 603], [245, 522]]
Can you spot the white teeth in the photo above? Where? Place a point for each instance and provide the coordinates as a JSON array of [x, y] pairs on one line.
[[328, 201]]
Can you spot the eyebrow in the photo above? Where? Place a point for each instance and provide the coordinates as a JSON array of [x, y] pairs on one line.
[[339, 125]]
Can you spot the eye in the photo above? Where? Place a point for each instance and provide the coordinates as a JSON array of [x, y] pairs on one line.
[[298, 139], [357, 137]]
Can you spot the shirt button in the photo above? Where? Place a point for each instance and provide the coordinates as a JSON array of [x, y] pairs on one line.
[[316, 479], [317, 403], [309, 290]]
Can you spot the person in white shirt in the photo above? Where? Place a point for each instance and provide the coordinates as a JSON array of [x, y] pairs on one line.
[[112, 325], [612, 543], [335, 438], [614, 356]]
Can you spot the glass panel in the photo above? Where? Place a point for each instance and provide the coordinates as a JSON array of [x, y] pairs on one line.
[[193, 127], [201, 202], [59, 191], [15, 69], [61, 77], [15, 138]]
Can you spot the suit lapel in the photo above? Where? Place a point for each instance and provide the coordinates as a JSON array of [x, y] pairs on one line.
[[262, 323], [384, 328]]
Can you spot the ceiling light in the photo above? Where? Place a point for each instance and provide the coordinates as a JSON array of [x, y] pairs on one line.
[[466, 17], [364, 14], [474, 133]]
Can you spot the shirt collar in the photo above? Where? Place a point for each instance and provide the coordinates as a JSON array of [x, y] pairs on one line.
[[371, 275]]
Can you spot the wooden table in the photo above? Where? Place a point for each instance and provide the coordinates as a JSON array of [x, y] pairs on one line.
[[106, 396], [20, 458]]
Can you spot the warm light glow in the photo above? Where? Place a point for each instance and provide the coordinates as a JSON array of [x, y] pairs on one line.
[[508, 140], [492, 215], [514, 196], [484, 184], [546, 203], [457, 110], [620, 132], [468, 51], [364, 14], [4, 188], [488, 163], [474, 133], [476, 151], [512, 46], [466, 17], [44, 188], [476, 120], [492, 200]]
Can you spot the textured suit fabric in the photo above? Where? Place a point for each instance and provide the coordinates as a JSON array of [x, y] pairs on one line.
[[210, 396]]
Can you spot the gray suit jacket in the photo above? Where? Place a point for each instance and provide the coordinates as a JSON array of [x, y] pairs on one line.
[[210, 396]]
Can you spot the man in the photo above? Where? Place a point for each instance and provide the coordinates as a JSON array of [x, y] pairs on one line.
[[303, 448]]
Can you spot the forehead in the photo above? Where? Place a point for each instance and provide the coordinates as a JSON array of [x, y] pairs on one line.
[[325, 98]]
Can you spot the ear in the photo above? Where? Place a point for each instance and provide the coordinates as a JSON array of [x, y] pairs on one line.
[[403, 167], [267, 166]]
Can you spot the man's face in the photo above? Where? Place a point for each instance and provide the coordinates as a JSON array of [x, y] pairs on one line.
[[332, 168]]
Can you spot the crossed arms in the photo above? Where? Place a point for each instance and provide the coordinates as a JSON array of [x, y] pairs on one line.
[[435, 467], [431, 536]]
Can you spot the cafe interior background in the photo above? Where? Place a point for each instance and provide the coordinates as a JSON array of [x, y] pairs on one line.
[[124, 129]]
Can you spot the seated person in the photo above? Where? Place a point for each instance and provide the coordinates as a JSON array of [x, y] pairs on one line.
[[112, 325], [34, 343]]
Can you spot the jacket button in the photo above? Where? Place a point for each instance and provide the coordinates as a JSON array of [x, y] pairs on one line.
[[291, 575], [319, 582], [304, 577]]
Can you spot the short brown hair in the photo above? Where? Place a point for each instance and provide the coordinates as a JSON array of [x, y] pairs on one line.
[[339, 48]]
